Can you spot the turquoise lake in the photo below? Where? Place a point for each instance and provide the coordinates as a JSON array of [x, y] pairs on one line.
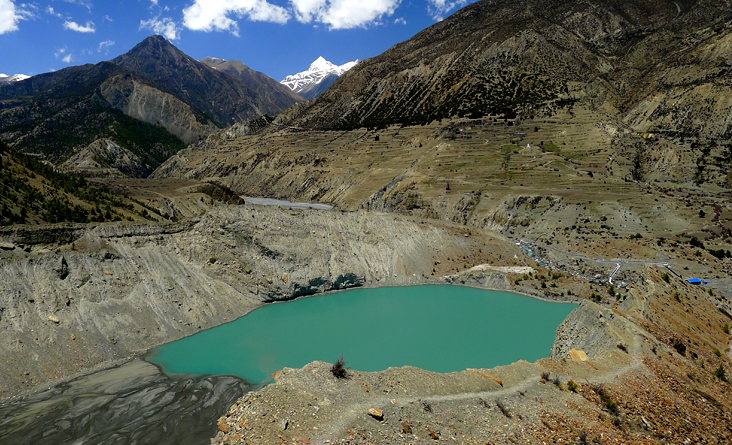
[[438, 328]]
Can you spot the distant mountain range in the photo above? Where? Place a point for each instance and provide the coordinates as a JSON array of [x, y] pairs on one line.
[[4, 78], [316, 79], [150, 101]]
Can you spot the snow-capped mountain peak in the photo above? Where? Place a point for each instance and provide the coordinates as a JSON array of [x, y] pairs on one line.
[[321, 64], [13, 78], [318, 71]]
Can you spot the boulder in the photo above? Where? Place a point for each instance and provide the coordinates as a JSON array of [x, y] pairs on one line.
[[376, 413]]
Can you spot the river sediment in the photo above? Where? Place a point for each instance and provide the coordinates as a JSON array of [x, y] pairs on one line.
[[130, 403]]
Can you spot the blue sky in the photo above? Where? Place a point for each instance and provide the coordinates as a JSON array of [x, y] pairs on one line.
[[276, 37]]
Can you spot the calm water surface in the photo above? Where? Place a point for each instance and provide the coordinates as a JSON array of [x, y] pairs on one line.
[[438, 328]]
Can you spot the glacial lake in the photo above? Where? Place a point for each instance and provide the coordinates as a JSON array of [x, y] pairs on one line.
[[438, 328]]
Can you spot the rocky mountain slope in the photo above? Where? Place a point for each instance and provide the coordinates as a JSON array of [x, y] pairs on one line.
[[557, 98], [55, 114], [106, 158], [530, 58], [312, 82], [169, 69], [32, 192], [263, 85]]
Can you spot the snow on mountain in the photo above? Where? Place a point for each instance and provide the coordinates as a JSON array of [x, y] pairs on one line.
[[4, 78], [319, 70]]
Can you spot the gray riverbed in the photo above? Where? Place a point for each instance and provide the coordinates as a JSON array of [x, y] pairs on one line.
[[283, 203], [134, 403]]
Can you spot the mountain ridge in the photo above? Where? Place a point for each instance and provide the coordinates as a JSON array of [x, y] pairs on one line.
[[157, 60], [515, 58], [258, 82]]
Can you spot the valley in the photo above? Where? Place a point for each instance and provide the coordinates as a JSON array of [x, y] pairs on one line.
[[572, 152]]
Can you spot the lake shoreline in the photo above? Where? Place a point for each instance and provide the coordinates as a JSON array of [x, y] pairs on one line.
[[446, 317]]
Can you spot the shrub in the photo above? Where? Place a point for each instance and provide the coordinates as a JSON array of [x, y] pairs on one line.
[[717, 353], [571, 385], [725, 328], [720, 373], [607, 401], [623, 347], [696, 243], [557, 382], [339, 369], [718, 253], [545, 375], [666, 278]]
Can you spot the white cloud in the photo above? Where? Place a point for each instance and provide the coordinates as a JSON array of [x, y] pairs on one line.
[[439, 8], [165, 27], [53, 12], [104, 46], [9, 16], [67, 58], [28, 11], [344, 14], [216, 15], [400, 21], [73, 26], [85, 3]]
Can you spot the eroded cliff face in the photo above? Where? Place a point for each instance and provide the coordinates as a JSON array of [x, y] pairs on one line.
[[148, 104], [110, 291], [106, 158]]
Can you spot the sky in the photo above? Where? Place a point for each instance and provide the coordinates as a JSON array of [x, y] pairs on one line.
[[276, 37]]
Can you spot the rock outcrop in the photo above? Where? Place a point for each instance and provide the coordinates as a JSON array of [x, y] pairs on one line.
[[106, 158], [148, 104]]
